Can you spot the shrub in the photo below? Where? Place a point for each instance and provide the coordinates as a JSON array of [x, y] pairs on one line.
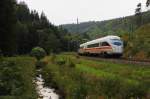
[[61, 61], [6, 74], [77, 56], [40, 64], [140, 55], [110, 86], [70, 63], [38, 53], [16, 77], [81, 91], [53, 58], [132, 89]]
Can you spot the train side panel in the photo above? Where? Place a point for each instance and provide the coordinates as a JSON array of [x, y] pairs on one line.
[[110, 45]]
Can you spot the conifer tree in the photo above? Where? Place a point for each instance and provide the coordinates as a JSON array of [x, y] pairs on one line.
[[148, 3], [7, 27]]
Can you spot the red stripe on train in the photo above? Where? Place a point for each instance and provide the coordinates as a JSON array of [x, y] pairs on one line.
[[99, 48]]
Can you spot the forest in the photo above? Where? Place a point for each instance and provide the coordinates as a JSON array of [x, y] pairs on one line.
[[22, 29]]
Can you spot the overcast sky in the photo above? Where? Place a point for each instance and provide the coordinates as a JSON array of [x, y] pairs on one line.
[[67, 11]]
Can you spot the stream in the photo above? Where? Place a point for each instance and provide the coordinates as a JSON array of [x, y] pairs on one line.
[[44, 92]]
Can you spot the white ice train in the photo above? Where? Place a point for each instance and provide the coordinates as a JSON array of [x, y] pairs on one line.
[[105, 46]]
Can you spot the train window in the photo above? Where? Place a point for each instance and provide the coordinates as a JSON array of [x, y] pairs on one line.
[[93, 45], [117, 43], [82, 47], [104, 44]]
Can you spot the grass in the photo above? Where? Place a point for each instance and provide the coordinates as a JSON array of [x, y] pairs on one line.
[[16, 78], [93, 79], [126, 71]]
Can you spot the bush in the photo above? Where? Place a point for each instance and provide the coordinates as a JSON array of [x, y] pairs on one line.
[[61, 61], [53, 58], [110, 86], [81, 91], [70, 63], [135, 90], [40, 64], [66, 61], [38, 53], [16, 77]]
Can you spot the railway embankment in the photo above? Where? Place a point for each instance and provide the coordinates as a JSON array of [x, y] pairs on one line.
[[120, 60]]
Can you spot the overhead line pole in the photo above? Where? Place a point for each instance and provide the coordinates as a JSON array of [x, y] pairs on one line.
[[77, 32], [77, 25]]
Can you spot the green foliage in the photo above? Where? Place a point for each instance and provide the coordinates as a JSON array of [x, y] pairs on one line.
[[53, 58], [61, 61], [16, 78], [40, 64], [65, 61], [36, 30], [61, 76], [7, 27], [139, 46], [70, 63], [110, 86], [132, 89], [22, 29], [92, 79], [38, 53], [118, 26]]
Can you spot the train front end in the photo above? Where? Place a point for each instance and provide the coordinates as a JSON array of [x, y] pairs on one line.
[[117, 47]]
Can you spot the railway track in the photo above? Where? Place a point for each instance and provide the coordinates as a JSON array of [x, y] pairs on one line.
[[120, 60]]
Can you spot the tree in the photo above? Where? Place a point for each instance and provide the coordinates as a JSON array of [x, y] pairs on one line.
[[138, 9], [148, 3], [7, 27], [138, 15], [38, 53], [22, 38], [36, 30], [23, 13], [44, 21]]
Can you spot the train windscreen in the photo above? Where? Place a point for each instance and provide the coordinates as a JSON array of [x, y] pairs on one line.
[[117, 42]]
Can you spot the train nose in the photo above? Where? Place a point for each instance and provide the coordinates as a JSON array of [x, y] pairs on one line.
[[118, 49]]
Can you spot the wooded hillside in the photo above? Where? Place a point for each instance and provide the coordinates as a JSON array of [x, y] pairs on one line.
[[22, 29], [139, 45], [118, 26]]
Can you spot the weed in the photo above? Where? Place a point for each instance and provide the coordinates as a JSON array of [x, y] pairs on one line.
[[93, 79]]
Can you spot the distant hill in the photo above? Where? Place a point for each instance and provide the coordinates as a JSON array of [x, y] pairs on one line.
[[118, 26]]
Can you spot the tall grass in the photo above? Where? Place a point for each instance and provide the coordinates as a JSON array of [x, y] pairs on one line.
[[77, 78]]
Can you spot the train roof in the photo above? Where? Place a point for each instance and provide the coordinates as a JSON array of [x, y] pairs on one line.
[[100, 39]]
